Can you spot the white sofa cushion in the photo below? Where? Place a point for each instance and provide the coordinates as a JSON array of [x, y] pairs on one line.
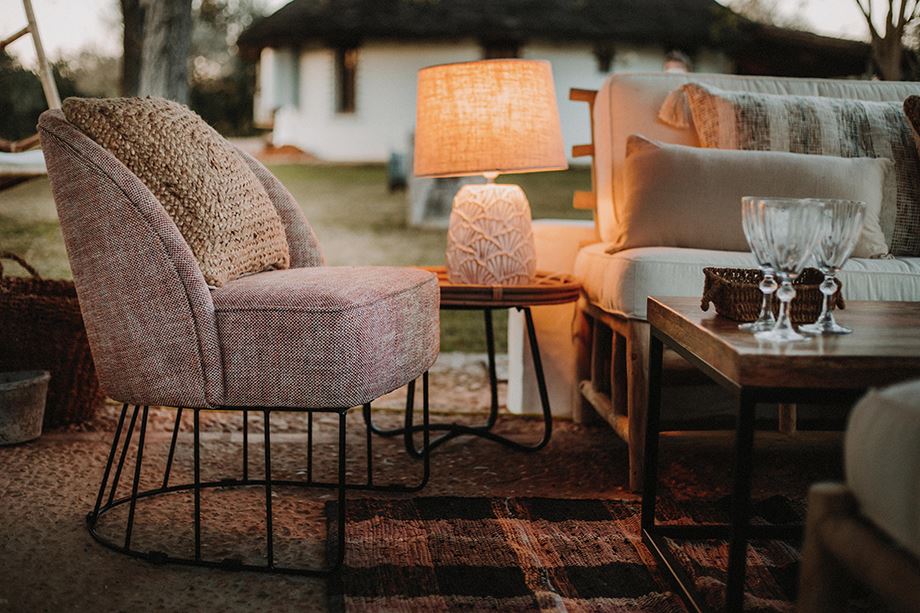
[[622, 282], [680, 196], [628, 103], [882, 460]]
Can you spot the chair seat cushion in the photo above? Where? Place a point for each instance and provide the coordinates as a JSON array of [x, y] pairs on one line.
[[621, 282], [882, 461], [325, 337]]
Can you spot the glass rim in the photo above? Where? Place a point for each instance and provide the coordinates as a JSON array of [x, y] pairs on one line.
[[839, 201], [779, 200], [782, 199]]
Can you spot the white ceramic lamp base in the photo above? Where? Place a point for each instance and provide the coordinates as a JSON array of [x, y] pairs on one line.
[[490, 239]]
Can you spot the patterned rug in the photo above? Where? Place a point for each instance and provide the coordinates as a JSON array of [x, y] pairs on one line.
[[512, 554]]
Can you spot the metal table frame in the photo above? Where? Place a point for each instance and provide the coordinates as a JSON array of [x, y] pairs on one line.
[[484, 430], [738, 531]]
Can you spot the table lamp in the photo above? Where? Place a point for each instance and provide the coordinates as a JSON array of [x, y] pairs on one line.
[[487, 118]]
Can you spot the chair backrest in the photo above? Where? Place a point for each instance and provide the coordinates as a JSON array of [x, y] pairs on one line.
[[147, 309], [628, 103]]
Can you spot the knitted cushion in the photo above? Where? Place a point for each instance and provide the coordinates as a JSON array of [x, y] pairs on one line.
[[212, 195], [819, 125]]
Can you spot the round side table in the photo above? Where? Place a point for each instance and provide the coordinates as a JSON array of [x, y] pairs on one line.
[[546, 289]]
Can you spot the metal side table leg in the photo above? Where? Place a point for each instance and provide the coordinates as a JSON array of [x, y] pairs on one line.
[[741, 502]]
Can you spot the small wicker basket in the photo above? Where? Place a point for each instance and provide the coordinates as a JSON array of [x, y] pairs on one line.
[[735, 292], [41, 328]]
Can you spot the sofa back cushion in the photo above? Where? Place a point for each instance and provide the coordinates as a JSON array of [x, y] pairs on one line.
[[629, 103], [829, 126], [220, 207], [678, 196]]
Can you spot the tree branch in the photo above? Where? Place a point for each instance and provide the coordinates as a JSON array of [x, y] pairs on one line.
[[866, 10], [902, 15]]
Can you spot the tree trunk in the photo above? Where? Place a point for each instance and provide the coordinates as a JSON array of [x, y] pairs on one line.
[[132, 43], [888, 55], [167, 38]]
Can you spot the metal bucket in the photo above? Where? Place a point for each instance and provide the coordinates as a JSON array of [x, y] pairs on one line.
[[22, 405]]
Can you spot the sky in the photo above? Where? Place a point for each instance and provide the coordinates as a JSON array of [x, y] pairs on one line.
[[68, 26]]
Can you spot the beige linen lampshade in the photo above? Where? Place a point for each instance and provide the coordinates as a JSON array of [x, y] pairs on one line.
[[488, 118]]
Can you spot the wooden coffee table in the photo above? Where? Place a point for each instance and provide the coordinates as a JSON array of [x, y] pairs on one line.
[[884, 348], [546, 289]]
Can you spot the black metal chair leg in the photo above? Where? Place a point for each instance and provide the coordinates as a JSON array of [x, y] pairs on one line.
[[172, 447], [426, 434], [368, 443], [334, 559], [269, 534], [245, 445], [197, 482], [110, 461], [124, 454], [342, 489], [137, 478], [309, 446]]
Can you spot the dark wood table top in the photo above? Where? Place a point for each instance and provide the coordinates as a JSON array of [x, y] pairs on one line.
[[884, 347], [546, 288]]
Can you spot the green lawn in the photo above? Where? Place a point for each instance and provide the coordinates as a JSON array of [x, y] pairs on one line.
[[358, 222]]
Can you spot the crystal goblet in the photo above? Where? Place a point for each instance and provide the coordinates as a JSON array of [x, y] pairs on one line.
[[841, 224], [790, 228], [753, 232]]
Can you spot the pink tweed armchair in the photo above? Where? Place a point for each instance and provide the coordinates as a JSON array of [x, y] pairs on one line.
[[311, 338]]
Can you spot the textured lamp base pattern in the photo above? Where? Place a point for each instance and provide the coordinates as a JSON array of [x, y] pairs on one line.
[[490, 240]]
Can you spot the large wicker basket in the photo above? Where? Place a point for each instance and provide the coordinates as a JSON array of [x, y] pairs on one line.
[[41, 329], [735, 292]]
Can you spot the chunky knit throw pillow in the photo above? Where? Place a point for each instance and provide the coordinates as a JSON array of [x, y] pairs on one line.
[[216, 201]]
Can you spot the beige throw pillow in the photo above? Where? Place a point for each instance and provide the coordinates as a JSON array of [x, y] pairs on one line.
[[679, 196], [823, 126], [216, 201]]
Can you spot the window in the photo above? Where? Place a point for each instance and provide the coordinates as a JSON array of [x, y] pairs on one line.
[[603, 54], [494, 51], [346, 64]]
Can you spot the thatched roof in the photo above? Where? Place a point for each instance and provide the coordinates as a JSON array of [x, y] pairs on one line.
[[679, 23], [767, 50], [684, 24]]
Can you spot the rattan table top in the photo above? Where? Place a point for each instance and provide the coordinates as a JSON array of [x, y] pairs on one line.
[[547, 288]]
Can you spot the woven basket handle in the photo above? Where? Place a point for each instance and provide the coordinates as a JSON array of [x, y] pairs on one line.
[[711, 293], [8, 255]]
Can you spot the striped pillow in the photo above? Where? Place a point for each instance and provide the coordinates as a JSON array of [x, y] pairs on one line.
[[823, 126]]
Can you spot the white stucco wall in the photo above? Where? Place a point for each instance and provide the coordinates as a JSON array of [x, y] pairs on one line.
[[385, 92], [385, 101]]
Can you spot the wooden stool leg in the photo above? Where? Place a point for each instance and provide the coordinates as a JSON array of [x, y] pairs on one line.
[[637, 340], [787, 418]]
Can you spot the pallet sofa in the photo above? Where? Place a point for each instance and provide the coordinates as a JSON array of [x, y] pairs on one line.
[[595, 352]]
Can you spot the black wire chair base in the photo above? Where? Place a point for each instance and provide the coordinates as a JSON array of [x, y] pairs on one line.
[[106, 499], [454, 430]]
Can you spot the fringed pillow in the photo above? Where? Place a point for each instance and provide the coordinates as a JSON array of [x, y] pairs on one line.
[[819, 125]]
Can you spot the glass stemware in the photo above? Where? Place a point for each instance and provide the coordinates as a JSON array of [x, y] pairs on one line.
[[841, 224], [753, 232], [790, 229]]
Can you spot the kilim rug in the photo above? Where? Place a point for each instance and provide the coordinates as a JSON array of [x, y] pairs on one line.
[[513, 554]]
